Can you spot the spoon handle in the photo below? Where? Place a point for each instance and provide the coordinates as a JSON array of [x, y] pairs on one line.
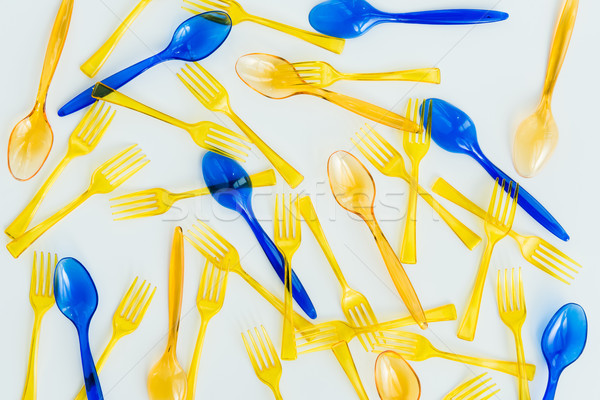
[[344, 357], [55, 47], [367, 110], [550, 392], [175, 284], [427, 75], [560, 44], [90, 376], [115, 81], [450, 17]]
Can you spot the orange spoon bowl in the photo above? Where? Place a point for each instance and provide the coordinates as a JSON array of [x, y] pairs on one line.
[[395, 379]]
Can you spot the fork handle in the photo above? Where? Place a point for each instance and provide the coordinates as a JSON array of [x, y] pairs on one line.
[[365, 109], [90, 375], [507, 367], [193, 370], [408, 251], [344, 357], [427, 75], [20, 244], [288, 343], [100, 363], [523, 384], [30, 390], [333, 44]]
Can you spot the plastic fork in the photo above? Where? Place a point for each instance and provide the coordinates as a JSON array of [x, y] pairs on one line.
[[216, 248], [416, 145], [150, 202], [389, 162], [474, 389], [82, 141], [323, 336], [498, 222], [512, 310], [41, 297], [206, 134], [287, 237], [213, 95], [264, 359], [534, 249], [126, 320], [414, 347], [105, 179], [211, 295], [322, 74], [238, 14], [355, 306]]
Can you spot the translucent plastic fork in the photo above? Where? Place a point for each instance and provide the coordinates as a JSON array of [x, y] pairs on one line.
[[206, 134], [150, 202], [41, 297], [105, 179], [416, 145], [498, 222], [238, 14], [213, 95], [512, 310], [126, 320], [82, 141], [534, 249], [474, 389], [389, 162], [264, 358]]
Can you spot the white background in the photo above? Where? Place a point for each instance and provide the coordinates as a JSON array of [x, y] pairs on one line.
[[493, 72]]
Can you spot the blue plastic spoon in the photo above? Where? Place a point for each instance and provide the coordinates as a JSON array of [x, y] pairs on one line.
[[195, 39], [563, 342], [77, 298], [454, 131], [231, 187], [351, 18]]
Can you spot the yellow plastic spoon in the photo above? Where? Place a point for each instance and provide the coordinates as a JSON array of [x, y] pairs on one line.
[[31, 139], [537, 136], [395, 379]]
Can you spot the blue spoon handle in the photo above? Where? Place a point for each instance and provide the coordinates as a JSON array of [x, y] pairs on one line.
[[550, 392], [450, 17], [276, 259], [84, 99], [90, 376], [525, 200]]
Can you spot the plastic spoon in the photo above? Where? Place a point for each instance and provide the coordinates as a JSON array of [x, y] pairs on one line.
[[231, 187], [31, 139], [196, 38], [563, 342], [351, 18], [454, 131], [167, 380], [537, 136], [276, 78], [77, 298], [395, 379], [353, 188]]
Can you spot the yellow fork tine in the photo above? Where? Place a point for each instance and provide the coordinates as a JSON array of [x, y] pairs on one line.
[[463, 386], [33, 284], [249, 351], [135, 300], [392, 152], [209, 82], [141, 204], [138, 315], [95, 128], [274, 355], [257, 351], [270, 363], [365, 142], [490, 211], [125, 299], [377, 144], [366, 153], [140, 164], [107, 164]]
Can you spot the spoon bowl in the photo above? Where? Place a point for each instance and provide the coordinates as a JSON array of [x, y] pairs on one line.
[[351, 183], [269, 75], [167, 380], [395, 379]]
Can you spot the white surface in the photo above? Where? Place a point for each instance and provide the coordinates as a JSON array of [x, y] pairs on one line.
[[493, 72]]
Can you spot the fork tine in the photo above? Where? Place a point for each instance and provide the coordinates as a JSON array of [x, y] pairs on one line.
[[125, 299], [209, 81], [206, 250], [269, 362], [376, 143], [134, 300], [194, 88], [137, 316], [249, 351], [104, 167], [391, 150], [276, 230], [150, 198], [40, 287], [521, 292], [98, 132], [134, 195], [88, 119], [374, 154], [33, 284], [513, 209], [499, 293], [139, 301], [199, 7], [551, 256], [490, 211], [464, 386], [366, 154], [271, 347], [214, 239], [219, 241], [257, 351], [225, 134]]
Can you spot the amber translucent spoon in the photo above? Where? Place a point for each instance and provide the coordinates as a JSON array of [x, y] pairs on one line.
[[31, 139], [395, 379]]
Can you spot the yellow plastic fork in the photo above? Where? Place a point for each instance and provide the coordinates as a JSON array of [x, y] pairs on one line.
[[474, 389], [264, 359], [416, 145], [414, 347], [322, 74], [389, 162], [534, 249], [213, 95], [126, 320], [214, 247], [41, 297], [323, 336], [83, 141], [150, 202], [355, 306], [206, 134], [105, 179], [211, 295], [512, 310], [238, 14], [287, 237], [498, 222]]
